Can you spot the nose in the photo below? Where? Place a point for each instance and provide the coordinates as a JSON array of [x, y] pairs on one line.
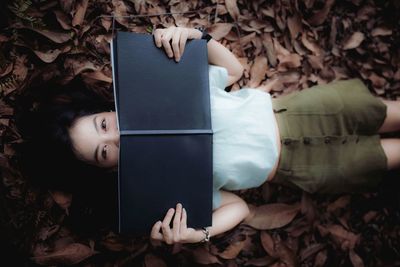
[[115, 138], [112, 137]]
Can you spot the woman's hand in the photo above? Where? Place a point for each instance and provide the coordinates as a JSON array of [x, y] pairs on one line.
[[177, 36], [179, 233]]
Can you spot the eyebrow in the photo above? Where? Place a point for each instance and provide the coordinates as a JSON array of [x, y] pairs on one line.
[[97, 147]]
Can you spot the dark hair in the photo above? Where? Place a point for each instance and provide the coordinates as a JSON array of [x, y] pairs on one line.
[[46, 154]]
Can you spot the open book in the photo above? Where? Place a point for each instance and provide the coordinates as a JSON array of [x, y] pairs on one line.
[[163, 113]]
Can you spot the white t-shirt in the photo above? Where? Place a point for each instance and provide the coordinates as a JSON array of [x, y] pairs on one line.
[[244, 141]]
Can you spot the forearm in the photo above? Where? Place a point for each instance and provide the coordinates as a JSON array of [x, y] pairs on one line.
[[233, 211], [219, 55], [223, 219]]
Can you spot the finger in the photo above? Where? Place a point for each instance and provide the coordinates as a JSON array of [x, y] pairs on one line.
[[177, 221], [182, 42], [183, 220], [157, 37], [175, 43], [155, 231], [165, 39], [166, 230]]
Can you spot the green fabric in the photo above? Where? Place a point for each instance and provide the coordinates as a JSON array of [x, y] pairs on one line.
[[329, 138]]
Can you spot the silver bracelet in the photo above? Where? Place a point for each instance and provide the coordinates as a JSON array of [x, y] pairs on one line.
[[206, 233]]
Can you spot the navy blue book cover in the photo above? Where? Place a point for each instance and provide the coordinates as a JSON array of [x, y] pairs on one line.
[[163, 113]]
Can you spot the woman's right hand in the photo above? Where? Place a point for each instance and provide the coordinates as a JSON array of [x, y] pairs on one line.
[[173, 39]]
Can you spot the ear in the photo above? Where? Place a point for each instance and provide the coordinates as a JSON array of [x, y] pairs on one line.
[[62, 199]]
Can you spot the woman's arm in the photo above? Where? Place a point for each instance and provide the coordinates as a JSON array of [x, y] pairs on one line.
[[232, 211], [173, 39]]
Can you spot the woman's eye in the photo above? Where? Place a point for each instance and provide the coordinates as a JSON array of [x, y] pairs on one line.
[[103, 124], [104, 152]]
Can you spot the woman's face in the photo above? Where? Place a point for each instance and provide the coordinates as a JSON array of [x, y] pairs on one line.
[[95, 139]]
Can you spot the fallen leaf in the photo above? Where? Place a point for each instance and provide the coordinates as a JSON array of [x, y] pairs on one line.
[[268, 243], [321, 258], [271, 216], [339, 203], [151, 260], [219, 30], [295, 26], [231, 6], [203, 256], [381, 31], [69, 255], [354, 41], [320, 16], [80, 12], [355, 259], [233, 249], [258, 71]]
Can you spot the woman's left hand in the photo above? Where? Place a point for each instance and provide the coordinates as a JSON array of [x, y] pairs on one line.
[[174, 39], [179, 233]]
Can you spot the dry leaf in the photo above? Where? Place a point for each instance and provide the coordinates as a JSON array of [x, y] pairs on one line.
[[233, 249], [69, 255], [231, 6], [151, 260], [295, 25], [80, 13], [355, 259], [381, 31], [258, 71], [203, 256], [271, 216], [354, 41], [219, 30], [268, 243], [321, 15]]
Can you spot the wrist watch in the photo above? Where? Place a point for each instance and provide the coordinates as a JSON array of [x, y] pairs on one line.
[[204, 34], [206, 233]]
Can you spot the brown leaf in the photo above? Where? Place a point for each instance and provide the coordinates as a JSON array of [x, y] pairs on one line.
[[353, 41], [219, 30], [376, 80], [63, 19], [345, 239], [321, 258], [295, 25], [203, 256], [231, 6], [97, 75], [311, 45], [268, 243], [57, 37], [234, 249], [50, 55], [355, 259], [311, 250], [271, 216], [381, 31], [286, 254], [269, 48], [258, 71], [71, 254], [289, 61], [80, 12], [151, 260], [320, 16], [339, 203]]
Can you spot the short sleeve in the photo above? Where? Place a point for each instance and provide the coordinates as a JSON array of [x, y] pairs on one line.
[[216, 199], [218, 76]]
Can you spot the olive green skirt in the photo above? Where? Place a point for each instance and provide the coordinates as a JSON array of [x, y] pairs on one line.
[[330, 140]]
